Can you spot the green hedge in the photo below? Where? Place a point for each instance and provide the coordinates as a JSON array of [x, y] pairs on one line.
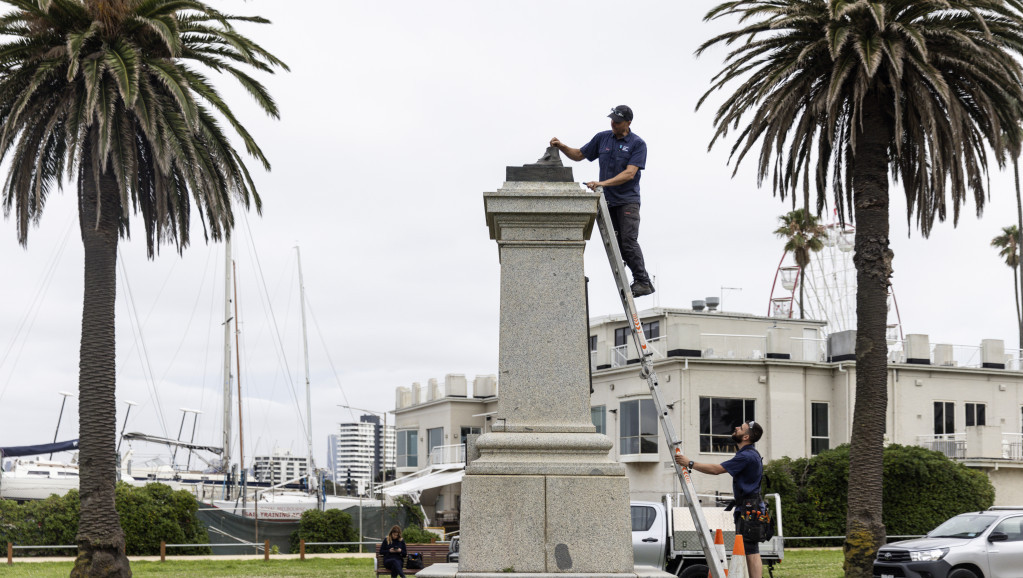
[[148, 515], [922, 488], [325, 526]]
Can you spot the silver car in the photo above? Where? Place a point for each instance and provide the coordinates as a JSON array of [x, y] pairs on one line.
[[986, 544]]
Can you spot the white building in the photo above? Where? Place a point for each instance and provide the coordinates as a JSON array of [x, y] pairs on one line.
[[361, 450], [717, 369], [279, 467]]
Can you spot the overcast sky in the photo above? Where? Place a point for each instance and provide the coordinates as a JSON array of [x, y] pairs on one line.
[[396, 117]]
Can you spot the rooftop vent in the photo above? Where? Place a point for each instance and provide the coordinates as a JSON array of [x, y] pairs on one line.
[[712, 303], [698, 304]]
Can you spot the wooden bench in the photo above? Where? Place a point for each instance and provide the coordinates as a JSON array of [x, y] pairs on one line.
[[432, 554]]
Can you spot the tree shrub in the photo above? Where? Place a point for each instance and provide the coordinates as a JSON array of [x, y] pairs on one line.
[[417, 535], [325, 526], [921, 489], [148, 514]]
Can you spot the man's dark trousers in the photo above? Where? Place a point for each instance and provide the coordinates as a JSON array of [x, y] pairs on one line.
[[625, 220]]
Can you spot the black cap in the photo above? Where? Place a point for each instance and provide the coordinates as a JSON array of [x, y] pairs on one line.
[[620, 113]]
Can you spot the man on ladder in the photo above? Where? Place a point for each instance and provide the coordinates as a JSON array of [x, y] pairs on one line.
[[622, 156], [715, 560]]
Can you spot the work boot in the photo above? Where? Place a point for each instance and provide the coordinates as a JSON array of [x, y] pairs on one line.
[[640, 288]]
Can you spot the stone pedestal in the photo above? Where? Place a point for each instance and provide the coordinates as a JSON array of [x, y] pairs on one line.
[[543, 497]]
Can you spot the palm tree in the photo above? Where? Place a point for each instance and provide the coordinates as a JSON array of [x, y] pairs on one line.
[[803, 235], [1008, 242], [840, 94], [104, 92]]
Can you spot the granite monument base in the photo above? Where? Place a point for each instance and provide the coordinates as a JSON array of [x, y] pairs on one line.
[[451, 571]]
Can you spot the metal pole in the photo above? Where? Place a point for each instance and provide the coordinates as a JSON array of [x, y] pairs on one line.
[[174, 455], [195, 420], [125, 425], [238, 358], [59, 417], [225, 462]]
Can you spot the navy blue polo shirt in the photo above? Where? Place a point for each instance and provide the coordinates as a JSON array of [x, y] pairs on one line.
[[615, 154], [746, 469]]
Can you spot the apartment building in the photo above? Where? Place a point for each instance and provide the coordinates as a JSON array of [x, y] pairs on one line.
[[361, 450], [431, 426], [279, 467]]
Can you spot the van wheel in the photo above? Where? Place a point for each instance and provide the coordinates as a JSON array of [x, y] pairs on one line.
[[700, 571], [962, 573]]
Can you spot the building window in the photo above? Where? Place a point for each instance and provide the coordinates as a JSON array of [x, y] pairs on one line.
[[819, 438], [639, 427], [408, 449], [944, 418], [593, 343], [598, 414], [467, 431], [434, 438], [652, 330], [621, 336], [976, 414], [719, 416]]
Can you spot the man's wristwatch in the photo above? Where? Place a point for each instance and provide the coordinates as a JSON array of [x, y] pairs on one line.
[[691, 463]]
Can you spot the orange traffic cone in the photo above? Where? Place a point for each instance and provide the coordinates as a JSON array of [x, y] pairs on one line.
[[719, 550], [738, 569]]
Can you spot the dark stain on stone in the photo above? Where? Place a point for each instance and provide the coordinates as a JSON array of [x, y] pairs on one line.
[[596, 472], [562, 557]]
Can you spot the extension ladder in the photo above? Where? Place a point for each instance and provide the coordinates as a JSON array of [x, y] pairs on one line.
[[715, 562]]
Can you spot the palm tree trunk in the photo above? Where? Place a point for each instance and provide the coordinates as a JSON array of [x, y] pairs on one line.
[[865, 531], [100, 538], [1019, 245], [802, 279], [1015, 288]]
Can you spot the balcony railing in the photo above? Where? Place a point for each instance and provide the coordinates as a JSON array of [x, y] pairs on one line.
[[454, 454], [952, 445], [620, 353], [806, 349], [620, 356], [1013, 360], [725, 346], [1012, 446]]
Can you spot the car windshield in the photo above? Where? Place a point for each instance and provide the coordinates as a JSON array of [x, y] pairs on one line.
[[963, 526]]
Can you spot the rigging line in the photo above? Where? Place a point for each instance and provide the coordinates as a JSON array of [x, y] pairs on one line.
[[330, 360], [144, 358], [273, 318], [211, 323], [191, 317], [152, 308], [36, 305]]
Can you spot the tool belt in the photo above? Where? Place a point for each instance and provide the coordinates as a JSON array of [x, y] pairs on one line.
[[754, 520]]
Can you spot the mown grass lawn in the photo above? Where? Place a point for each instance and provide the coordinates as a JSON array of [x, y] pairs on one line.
[[333, 567], [803, 563], [810, 563]]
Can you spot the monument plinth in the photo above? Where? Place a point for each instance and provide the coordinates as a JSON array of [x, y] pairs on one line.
[[543, 498]]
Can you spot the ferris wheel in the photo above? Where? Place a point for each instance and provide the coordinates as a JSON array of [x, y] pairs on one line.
[[830, 291]]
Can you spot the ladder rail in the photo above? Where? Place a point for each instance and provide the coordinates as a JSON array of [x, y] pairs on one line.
[[614, 255]]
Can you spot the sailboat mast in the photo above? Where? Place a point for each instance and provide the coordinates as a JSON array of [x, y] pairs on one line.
[[226, 461], [305, 348], [238, 360]]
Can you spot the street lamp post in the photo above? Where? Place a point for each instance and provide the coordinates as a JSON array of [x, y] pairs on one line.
[[66, 394]]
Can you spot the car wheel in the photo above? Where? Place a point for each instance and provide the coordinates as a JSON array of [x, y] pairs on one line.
[[963, 573], [698, 571]]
